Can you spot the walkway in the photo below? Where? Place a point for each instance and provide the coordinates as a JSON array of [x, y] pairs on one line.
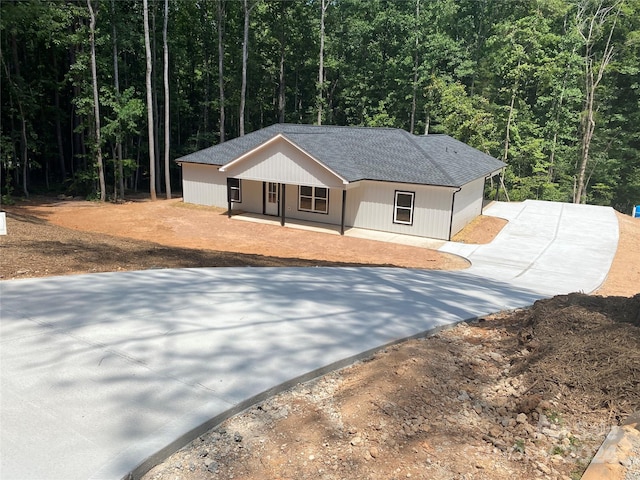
[[100, 372]]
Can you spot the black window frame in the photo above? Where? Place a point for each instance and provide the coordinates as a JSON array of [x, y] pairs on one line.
[[234, 188]]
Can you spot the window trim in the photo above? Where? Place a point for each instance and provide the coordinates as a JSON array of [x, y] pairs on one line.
[[313, 198], [397, 207], [231, 188]]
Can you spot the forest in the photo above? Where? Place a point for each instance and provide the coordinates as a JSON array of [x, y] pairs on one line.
[[99, 97]]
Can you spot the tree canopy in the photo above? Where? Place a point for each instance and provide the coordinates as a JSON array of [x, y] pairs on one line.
[[552, 87]]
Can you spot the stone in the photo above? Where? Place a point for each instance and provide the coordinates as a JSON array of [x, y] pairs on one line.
[[356, 441], [373, 451], [521, 418], [543, 468]]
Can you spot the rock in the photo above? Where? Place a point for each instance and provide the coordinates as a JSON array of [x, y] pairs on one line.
[[356, 441], [237, 437], [528, 403], [521, 418], [543, 468], [464, 396], [373, 451]]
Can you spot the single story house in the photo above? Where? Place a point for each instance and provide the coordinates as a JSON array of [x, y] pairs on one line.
[[372, 178]]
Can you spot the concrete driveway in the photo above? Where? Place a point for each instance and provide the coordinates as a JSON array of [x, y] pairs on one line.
[[99, 373]]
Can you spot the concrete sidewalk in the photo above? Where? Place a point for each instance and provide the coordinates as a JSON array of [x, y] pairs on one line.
[[98, 373]]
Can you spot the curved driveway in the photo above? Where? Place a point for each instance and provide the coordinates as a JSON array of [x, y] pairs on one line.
[[99, 373]]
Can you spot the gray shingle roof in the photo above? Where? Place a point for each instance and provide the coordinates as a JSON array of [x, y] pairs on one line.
[[364, 153]]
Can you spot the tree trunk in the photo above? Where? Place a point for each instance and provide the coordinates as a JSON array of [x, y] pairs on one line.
[[116, 85], [24, 148], [156, 108], [324, 4], [152, 153], [245, 55], [221, 66], [59, 139], [96, 104], [415, 71], [167, 172], [587, 29], [281, 85]]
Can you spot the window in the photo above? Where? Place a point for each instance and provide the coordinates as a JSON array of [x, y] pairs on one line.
[[403, 208], [234, 189], [272, 192], [313, 199]]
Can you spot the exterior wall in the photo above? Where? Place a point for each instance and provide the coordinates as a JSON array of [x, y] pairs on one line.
[[468, 204], [204, 185], [371, 206], [334, 216], [282, 162]]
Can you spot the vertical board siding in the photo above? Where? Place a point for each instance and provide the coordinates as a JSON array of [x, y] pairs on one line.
[[334, 217], [371, 205], [204, 185], [468, 204], [283, 163]]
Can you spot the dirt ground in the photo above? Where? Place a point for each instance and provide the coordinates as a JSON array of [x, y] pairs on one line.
[[524, 394]]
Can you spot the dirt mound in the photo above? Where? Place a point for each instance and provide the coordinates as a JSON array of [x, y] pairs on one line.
[[586, 346]]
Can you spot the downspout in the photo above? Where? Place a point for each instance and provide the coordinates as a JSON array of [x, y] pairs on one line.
[[344, 208], [453, 202]]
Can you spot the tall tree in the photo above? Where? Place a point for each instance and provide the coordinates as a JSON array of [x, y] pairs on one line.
[[591, 27], [221, 18], [324, 4], [246, 8], [150, 129], [96, 103], [167, 126], [116, 86]]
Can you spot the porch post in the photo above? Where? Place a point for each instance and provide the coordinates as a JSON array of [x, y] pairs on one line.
[[284, 203], [344, 208]]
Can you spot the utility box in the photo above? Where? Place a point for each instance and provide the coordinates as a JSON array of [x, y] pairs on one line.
[[636, 211]]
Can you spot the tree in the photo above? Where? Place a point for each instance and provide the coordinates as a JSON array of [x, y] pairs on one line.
[[221, 16], [167, 126], [152, 154], [591, 26], [324, 4], [245, 57], [96, 103]]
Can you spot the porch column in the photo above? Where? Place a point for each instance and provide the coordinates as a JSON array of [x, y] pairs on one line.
[[344, 208], [284, 203], [228, 199]]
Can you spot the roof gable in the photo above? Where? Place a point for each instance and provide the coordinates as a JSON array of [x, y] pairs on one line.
[[364, 153], [280, 160]]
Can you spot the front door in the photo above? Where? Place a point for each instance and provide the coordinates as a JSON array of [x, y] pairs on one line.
[[271, 199]]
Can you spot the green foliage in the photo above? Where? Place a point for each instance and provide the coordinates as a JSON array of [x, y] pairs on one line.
[[475, 70]]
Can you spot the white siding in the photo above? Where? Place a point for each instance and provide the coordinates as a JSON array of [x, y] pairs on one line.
[[281, 162], [334, 216], [204, 185], [371, 205], [468, 204]]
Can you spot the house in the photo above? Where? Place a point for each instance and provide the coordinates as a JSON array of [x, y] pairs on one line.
[[371, 178]]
